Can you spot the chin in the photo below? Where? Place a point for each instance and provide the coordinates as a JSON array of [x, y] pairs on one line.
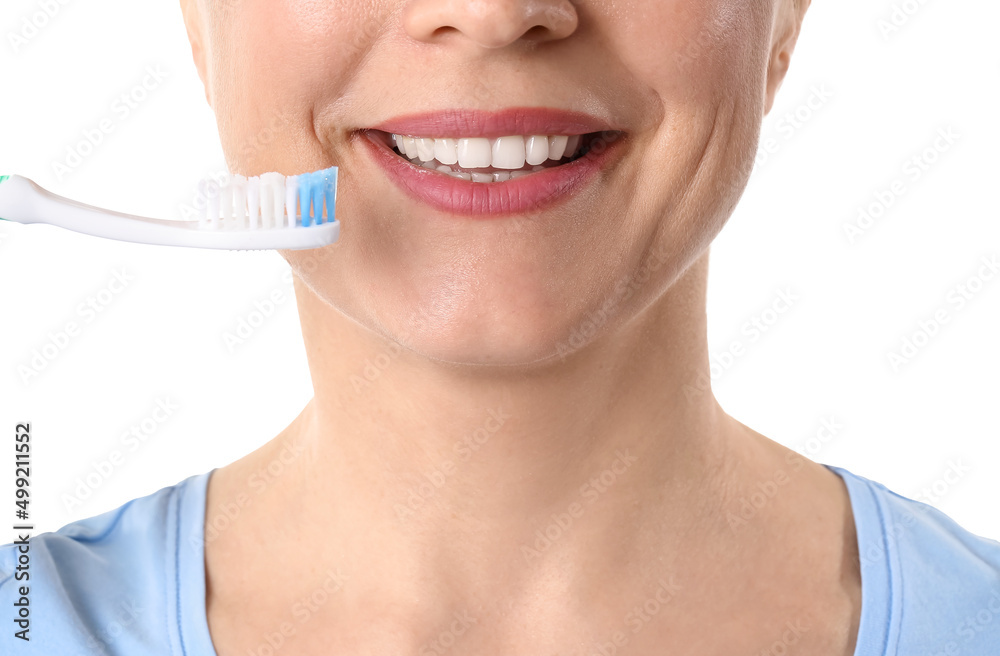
[[486, 336]]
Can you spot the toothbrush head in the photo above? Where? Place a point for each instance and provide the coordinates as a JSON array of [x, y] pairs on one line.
[[274, 202]]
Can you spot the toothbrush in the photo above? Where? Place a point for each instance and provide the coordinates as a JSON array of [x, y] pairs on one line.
[[258, 213]]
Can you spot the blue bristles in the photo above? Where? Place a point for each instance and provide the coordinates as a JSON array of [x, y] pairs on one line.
[[314, 188]]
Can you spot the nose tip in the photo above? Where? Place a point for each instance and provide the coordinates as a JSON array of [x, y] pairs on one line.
[[490, 23]]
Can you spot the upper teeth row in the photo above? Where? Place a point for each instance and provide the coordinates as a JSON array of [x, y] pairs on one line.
[[502, 153]]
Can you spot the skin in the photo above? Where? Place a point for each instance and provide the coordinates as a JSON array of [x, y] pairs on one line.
[[421, 329]]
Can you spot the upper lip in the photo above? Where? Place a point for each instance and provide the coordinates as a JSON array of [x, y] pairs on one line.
[[471, 123]]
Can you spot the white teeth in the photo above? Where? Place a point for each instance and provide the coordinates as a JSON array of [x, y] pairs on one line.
[[446, 151], [425, 149], [508, 153], [474, 153], [557, 146], [410, 146], [573, 144], [504, 153], [511, 153], [536, 149]]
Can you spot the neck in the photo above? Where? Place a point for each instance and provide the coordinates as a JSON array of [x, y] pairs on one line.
[[455, 461]]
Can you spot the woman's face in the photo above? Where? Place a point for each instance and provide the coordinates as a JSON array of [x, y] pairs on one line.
[[683, 84]]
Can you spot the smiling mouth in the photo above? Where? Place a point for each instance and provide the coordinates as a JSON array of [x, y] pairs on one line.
[[488, 160]]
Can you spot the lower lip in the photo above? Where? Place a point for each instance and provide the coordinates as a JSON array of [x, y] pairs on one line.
[[486, 200]]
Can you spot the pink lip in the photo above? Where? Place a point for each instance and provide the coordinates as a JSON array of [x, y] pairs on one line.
[[493, 125], [529, 193]]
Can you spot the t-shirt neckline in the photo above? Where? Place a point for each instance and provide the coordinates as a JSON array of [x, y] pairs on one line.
[[881, 585], [188, 604], [878, 630]]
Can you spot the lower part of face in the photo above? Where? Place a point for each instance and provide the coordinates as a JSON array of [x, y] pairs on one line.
[[296, 83]]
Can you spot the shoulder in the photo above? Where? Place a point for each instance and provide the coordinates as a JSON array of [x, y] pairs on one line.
[[97, 585], [943, 581]]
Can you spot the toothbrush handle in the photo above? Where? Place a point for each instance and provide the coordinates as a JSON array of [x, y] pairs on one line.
[[24, 201]]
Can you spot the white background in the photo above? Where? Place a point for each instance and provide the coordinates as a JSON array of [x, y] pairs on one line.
[[876, 100]]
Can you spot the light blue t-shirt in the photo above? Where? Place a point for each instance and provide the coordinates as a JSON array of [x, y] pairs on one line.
[[131, 581]]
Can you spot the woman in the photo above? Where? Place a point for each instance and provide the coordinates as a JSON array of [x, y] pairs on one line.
[[512, 448]]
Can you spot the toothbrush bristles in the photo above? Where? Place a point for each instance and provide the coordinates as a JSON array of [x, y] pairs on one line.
[[271, 201]]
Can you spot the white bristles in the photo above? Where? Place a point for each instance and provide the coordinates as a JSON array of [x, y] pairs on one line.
[[253, 202], [226, 205], [269, 201], [240, 201], [205, 192], [267, 198], [212, 210], [291, 195]]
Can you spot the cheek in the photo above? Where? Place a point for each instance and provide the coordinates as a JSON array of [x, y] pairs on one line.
[[705, 62], [703, 65], [694, 49], [273, 63]]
